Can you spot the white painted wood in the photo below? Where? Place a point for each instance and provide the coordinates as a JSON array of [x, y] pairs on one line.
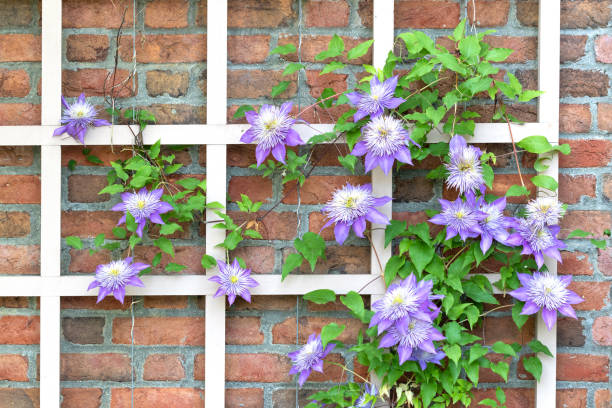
[[216, 107], [51, 72]]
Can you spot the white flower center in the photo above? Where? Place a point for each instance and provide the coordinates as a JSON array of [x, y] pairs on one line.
[[271, 126], [547, 291], [350, 203], [384, 135]]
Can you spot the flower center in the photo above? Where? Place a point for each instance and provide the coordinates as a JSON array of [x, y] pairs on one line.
[[80, 114], [271, 125], [465, 166], [234, 279], [114, 272], [398, 299], [351, 202], [140, 204], [460, 214]]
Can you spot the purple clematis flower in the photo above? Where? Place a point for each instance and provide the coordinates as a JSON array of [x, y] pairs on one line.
[[424, 357], [353, 206], [465, 171], [546, 292], [77, 118], [411, 334], [234, 281], [384, 141], [544, 211], [460, 218], [379, 98], [271, 130], [115, 276], [309, 357], [402, 300], [368, 398], [496, 224], [144, 205], [537, 241]]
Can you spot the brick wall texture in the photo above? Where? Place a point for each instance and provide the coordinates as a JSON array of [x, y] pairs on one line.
[[170, 40]]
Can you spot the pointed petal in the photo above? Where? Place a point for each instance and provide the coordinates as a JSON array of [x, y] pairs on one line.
[[360, 148], [354, 97], [403, 155], [567, 310], [155, 218], [549, 317], [376, 217], [404, 353], [279, 152], [293, 138], [60, 130], [261, 154], [520, 294], [359, 226], [248, 136], [530, 308], [341, 231]]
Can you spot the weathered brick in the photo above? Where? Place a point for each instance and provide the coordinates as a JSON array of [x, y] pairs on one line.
[[503, 329], [83, 330], [248, 49], [257, 83], [161, 82], [574, 118], [81, 397], [90, 302], [16, 302], [189, 256], [98, 222], [100, 367], [572, 47], [15, 13], [163, 367], [602, 330], [167, 14], [22, 156], [572, 398], [20, 260], [105, 153], [515, 397], [339, 260], [593, 221], [576, 82], [85, 188], [488, 13], [14, 224], [502, 183], [573, 188], [582, 367], [187, 331], [271, 302], [586, 153], [318, 83], [314, 44], [602, 398], [260, 13], [19, 397], [13, 367], [165, 302], [175, 114], [257, 367], [569, 332], [87, 47], [282, 398], [575, 263], [95, 13], [284, 332], [20, 48], [318, 189], [199, 367], [596, 295], [165, 48], [95, 82], [255, 187], [14, 114], [157, 397], [82, 262], [260, 258], [276, 225], [417, 189], [14, 83], [574, 13], [604, 116], [431, 13], [19, 189], [525, 48], [327, 13], [244, 398], [243, 330]]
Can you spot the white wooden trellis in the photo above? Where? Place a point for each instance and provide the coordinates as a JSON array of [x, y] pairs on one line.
[[216, 135]]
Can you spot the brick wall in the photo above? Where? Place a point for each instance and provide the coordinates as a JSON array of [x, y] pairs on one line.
[[171, 81]]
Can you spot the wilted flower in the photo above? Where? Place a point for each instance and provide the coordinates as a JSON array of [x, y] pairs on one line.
[[368, 398], [309, 357], [411, 334], [384, 140], [115, 276], [271, 130], [465, 171], [460, 218], [352, 206], [77, 118], [379, 98], [537, 241], [544, 211], [496, 224], [424, 357], [546, 292], [234, 281], [144, 205]]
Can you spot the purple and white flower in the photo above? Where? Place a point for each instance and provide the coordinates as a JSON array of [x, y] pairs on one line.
[[143, 205], [113, 277], [379, 98], [424, 357], [496, 224], [546, 292], [544, 211], [460, 219], [537, 241], [384, 141], [352, 206], [271, 130], [77, 118], [368, 398], [410, 334], [464, 168], [234, 281], [309, 357]]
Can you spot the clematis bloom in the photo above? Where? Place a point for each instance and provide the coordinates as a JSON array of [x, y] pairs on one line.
[[409, 335], [537, 241], [460, 218], [309, 357], [113, 277], [234, 281], [379, 98], [77, 118], [464, 168], [143, 205]]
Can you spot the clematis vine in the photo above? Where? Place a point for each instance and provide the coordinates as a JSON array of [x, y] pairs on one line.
[[271, 130], [460, 218], [537, 241], [368, 398], [143, 205], [495, 225], [464, 168], [546, 292], [113, 277], [384, 141], [379, 98], [77, 118], [234, 281], [352, 206], [309, 357], [410, 334]]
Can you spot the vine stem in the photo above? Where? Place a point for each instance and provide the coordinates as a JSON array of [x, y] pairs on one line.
[[518, 166], [489, 311], [348, 370], [382, 270], [454, 257], [316, 103]]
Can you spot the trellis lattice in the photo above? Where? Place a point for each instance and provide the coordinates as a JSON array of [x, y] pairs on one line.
[[216, 135]]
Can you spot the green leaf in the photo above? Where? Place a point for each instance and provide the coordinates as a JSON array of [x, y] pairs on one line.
[[332, 66], [488, 175], [170, 228], [354, 302], [329, 332], [450, 61], [392, 267], [528, 95], [349, 161], [156, 259], [538, 347], [392, 230], [578, 233], [155, 149], [498, 54], [165, 245], [279, 89], [544, 181], [488, 402], [459, 31], [428, 391], [501, 368], [516, 190], [473, 372], [469, 47], [293, 261], [119, 170], [334, 49], [174, 267], [453, 330], [74, 242], [312, 247], [518, 318], [232, 240], [420, 254], [599, 243], [321, 296], [119, 232], [533, 365], [453, 352], [173, 168], [477, 351], [535, 144], [503, 348], [435, 115], [478, 293], [208, 262], [241, 111], [501, 395], [112, 189], [293, 68], [99, 240], [284, 49], [540, 164], [359, 50]]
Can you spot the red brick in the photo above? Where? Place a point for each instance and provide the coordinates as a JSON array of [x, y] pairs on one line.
[[98, 222], [582, 367], [174, 84], [515, 397], [95, 82], [523, 112], [572, 47], [83, 330], [175, 114], [100, 367], [607, 186], [575, 82], [20, 48], [14, 83], [276, 225], [248, 49], [602, 330], [259, 13], [525, 48], [489, 13], [339, 259], [284, 332], [243, 330], [237, 155], [14, 224], [22, 156], [257, 83], [430, 14], [319, 189], [586, 153], [81, 397], [87, 47], [89, 302], [575, 263], [82, 262], [163, 367], [19, 114], [85, 188], [604, 116], [258, 259], [244, 398], [503, 182], [488, 376], [261, 367], [411, 217], [503, 329], [95, 13], [417, 189], [604, 260], [573, 188], [18, 189], [19, 260], [272, 302], [15, 13], [256, 187], [602, 399], [572, 398], [14, 302], [594, 222], [165, 302], [19, 397], [574, 14], [314, 44], [157, 397], [316, 221], [574, 118], [318, 83], [596, 295], [167, 14], [105, 153], [326, 13], [188, 331], [165, 48], [570, 332], [190, 256], [13, 367], [198, 367]]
